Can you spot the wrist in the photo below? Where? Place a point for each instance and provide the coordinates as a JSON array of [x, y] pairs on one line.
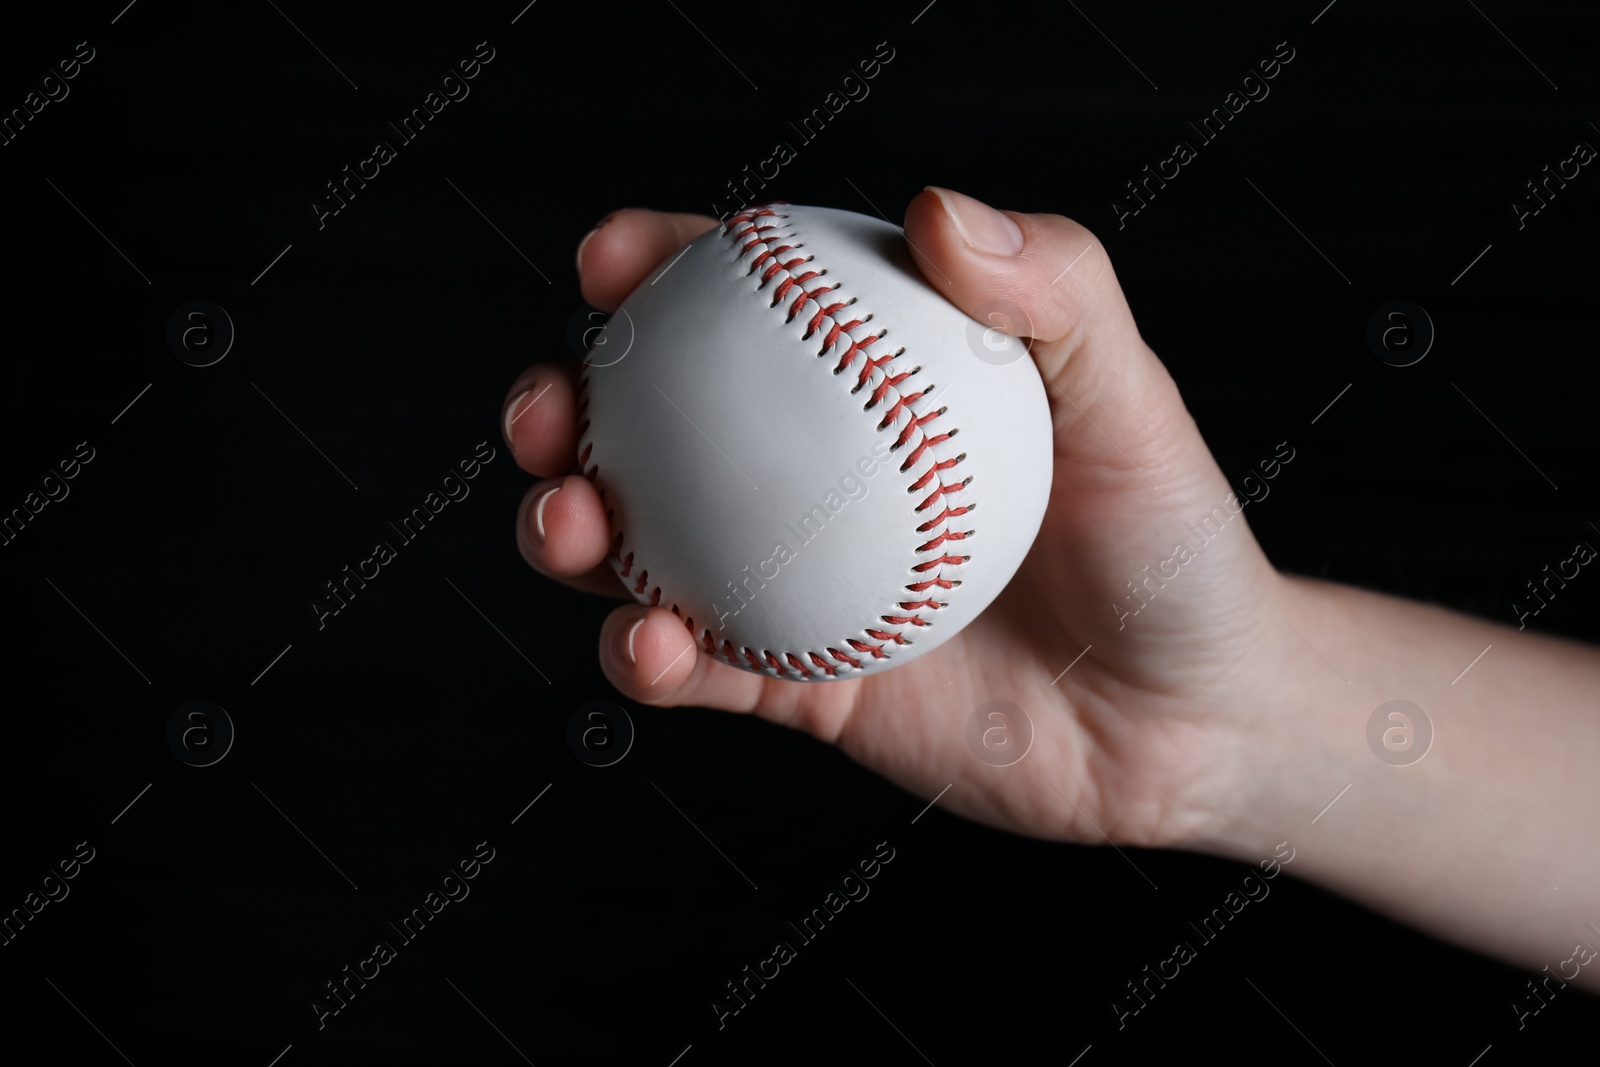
[[1288, 739], [1450, 832]]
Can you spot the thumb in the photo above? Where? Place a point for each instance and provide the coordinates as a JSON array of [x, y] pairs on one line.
[[1118, 414]]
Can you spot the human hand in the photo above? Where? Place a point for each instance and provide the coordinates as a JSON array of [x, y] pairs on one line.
[[1140, 742]]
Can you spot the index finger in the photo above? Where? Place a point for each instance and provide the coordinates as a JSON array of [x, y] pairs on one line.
[[615, 256]]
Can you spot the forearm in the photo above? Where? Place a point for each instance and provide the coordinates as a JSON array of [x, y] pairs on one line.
[[1486, 839]]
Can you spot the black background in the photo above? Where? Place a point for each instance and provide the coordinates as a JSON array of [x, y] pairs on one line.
[[407, 730]]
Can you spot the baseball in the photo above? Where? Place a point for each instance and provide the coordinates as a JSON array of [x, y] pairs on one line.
[[806, 452]]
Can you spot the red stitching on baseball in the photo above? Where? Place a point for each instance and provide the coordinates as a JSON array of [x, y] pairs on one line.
[[947, 513], [748, 224], [763, 257], [752, 230], [933, 498], [948, 535]]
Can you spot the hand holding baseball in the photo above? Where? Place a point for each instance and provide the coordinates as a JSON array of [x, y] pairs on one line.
[[1134, 734], [1202, 708]]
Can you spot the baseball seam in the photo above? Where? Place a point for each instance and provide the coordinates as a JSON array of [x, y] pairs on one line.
[[748, 231]]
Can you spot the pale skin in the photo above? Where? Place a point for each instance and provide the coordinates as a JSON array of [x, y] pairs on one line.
[[1225, 716]]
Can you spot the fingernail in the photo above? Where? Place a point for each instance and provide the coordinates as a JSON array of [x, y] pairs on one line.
[[538, 511], [980, 226], [597, 228], [633, 659], [513, 413], [579, 258]]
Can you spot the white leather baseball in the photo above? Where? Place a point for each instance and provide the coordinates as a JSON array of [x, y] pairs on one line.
[[801, 453]]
